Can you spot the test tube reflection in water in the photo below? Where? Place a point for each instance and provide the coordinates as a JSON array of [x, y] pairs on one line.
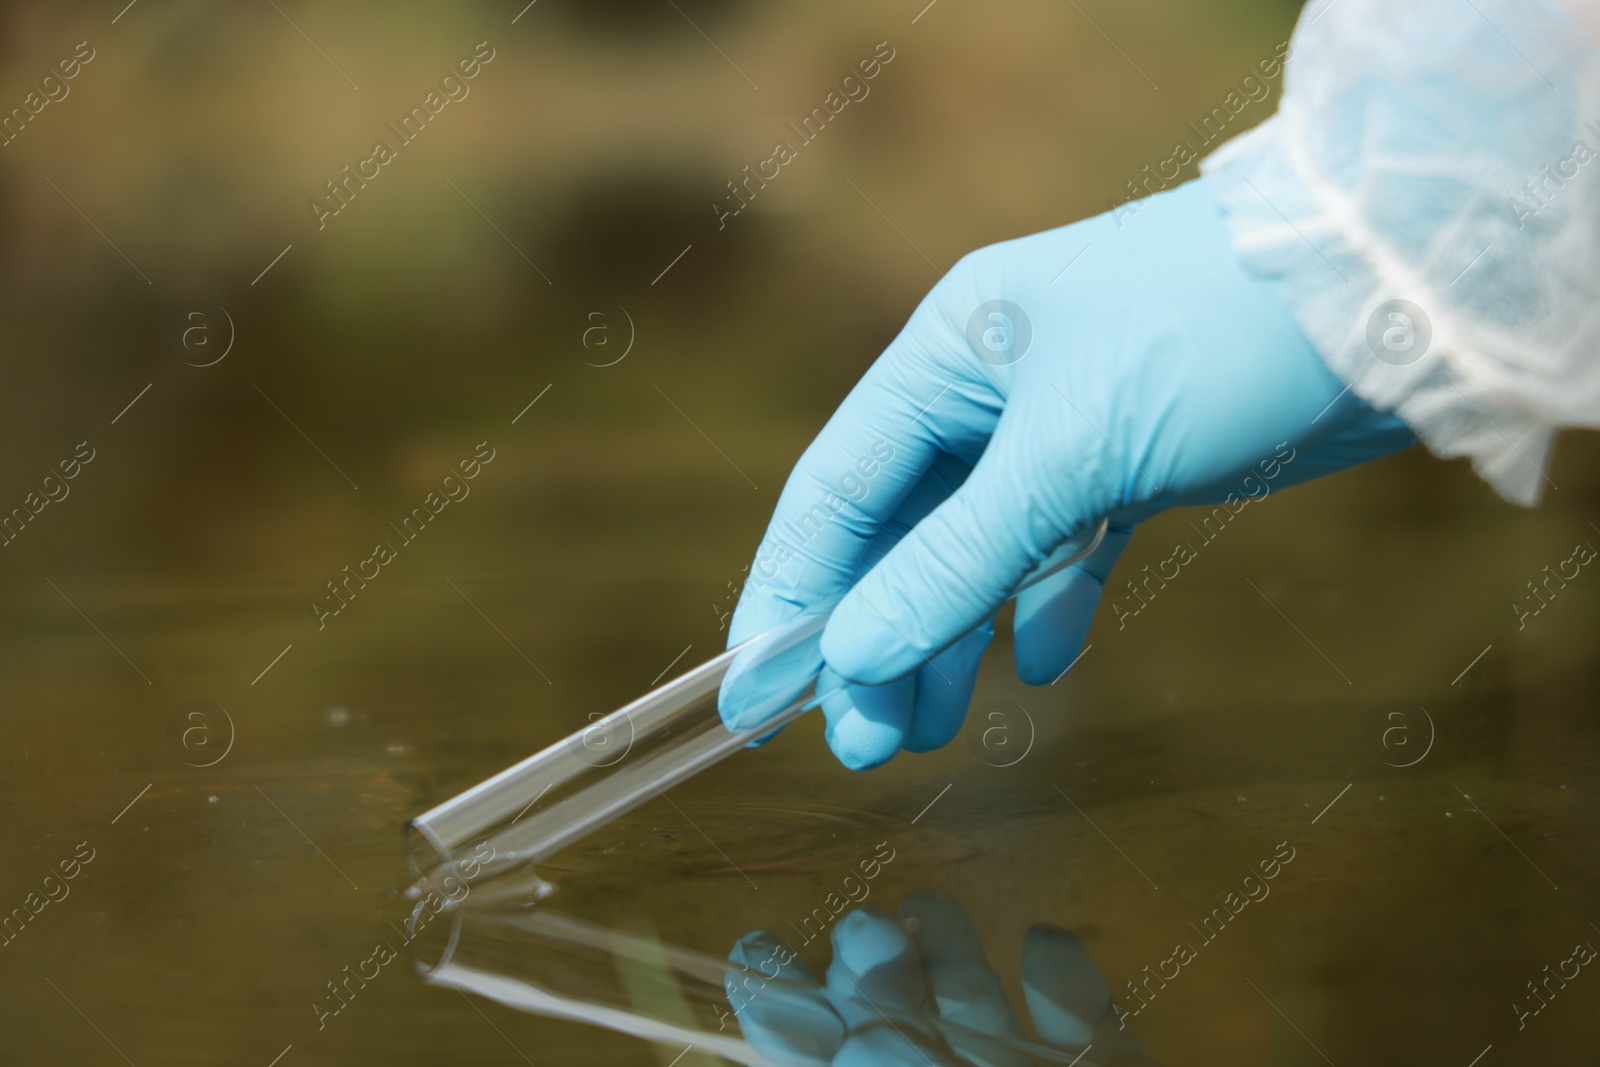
[[547, 963]]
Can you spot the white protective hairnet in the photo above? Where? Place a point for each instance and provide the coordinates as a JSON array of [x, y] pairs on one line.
[[1445, 153]]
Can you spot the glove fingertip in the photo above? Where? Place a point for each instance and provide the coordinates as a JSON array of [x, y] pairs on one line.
[[866, 725], [1051, 626], [944, 691], [862, 745]]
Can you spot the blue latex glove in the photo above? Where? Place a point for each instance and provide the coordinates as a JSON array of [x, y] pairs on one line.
[[1128, 370], [895, 981]]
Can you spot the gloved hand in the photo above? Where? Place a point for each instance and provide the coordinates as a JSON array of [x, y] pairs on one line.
[[1084, 372], [894, 983]]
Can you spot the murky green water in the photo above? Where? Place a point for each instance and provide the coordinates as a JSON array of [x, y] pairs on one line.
[[1371, 706], [1166, 766]]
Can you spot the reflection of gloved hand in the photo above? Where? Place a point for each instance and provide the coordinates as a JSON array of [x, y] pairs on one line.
[[895, 986], [1108, 368]]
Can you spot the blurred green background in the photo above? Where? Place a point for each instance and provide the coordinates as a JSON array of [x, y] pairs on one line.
[[608, 535]]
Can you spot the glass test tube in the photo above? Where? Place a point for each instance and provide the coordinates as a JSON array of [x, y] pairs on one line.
[[526, 813]]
